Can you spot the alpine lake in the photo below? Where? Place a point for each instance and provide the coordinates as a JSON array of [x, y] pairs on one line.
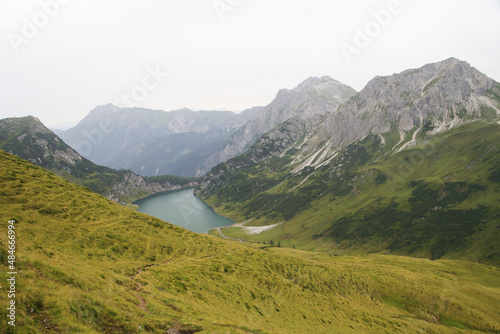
[[184, 209]]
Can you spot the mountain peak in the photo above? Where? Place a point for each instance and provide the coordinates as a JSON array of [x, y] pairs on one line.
[[27, 123], [30, 139], [450, 66], [312, 81], [32, 118], [441, 95], [324, 83], [313, 98], [313, 85]]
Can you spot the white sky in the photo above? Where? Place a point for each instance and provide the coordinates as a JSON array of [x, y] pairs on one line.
[[88, 53]]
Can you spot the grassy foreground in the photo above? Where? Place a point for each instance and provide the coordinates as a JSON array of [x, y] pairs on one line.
[[88, 265]]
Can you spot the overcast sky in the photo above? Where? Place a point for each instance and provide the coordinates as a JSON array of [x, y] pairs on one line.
[[61, 58]]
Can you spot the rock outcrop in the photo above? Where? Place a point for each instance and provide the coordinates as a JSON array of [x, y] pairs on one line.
[[440, 95]]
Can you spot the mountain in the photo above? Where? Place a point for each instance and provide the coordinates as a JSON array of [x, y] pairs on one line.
[[188, 143], [29, 139], [153, 142], [433, 98], [409, 165], [314, 96], [86, 264]]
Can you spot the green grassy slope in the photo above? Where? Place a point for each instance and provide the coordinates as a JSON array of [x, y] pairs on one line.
[[88, 265], [439, 199]]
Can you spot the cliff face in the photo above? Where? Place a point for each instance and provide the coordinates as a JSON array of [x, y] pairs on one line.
[[414, 103]]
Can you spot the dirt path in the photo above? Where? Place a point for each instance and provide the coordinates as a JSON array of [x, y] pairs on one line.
[[219, 229]]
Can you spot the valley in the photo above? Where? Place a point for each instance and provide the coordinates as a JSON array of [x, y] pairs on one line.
[[87, 264], [327, 211], [29, 139], [409, 178]]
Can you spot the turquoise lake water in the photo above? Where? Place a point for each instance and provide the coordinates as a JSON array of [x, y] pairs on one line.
[[183, 208]]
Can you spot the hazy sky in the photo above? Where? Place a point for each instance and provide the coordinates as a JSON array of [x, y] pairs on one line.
[[61, 58]]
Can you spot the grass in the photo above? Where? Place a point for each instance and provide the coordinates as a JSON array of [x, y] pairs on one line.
[[437, 200], [88, 265]]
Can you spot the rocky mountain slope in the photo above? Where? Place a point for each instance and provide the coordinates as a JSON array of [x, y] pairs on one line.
[[87, 265], [29, 139], [153, 142], [424, 101], [380, 172], [314, 96]]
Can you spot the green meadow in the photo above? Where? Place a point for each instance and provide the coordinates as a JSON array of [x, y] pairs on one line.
[[88, 265], [439, 199]]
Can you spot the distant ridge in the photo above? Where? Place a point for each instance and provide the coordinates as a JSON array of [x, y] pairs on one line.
[[189, 143], [153, 142]]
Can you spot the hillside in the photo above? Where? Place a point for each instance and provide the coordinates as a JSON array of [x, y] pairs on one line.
[[86, 264], [29, 139], [408, 166]]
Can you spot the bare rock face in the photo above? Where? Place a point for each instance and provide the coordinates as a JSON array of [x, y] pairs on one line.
[[314, 96], [123, 137], [442, 95]]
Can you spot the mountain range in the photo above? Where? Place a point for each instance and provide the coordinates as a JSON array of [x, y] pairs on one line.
[[409, 165], [188, 143], [313, 97], [351, 193], [153, 142]]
